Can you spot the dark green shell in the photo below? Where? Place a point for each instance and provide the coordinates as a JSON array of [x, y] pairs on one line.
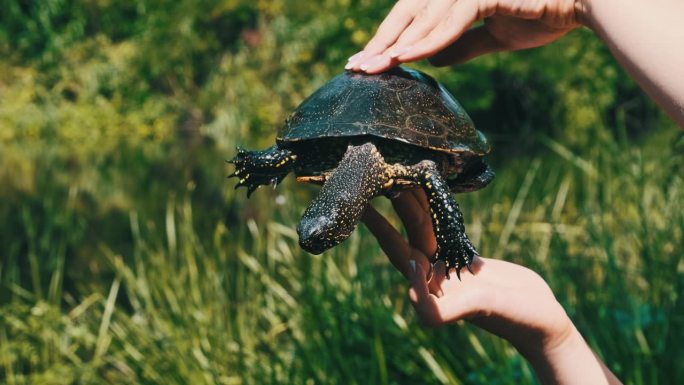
[[401, 104]]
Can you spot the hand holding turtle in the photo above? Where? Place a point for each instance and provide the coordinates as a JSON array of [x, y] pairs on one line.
[[438, 29], [495, 296], [506, 299], [641, 35]]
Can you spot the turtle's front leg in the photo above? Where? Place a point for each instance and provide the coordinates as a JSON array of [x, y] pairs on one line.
[[453, 246], [332, 216], [256, 168]]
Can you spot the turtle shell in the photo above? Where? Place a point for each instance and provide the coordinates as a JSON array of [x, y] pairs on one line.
[[401, 104]]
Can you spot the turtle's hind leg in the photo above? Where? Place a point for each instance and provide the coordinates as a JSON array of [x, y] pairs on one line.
[[453, 246], [265, 167]]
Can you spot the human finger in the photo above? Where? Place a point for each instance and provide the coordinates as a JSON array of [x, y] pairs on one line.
[[391, 242], [423, 22], [408, 206], [413, 210], [422, 232], [461, 16], [473, 43], [421, 25], [468, 302], [425, 303], [389, 30], [379, 63], [416, 220], [421, 198]]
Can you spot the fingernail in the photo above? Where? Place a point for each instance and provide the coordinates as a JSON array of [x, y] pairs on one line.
[[412, 263], [356, 56], [354, 60], [373, 63], [395, 53]]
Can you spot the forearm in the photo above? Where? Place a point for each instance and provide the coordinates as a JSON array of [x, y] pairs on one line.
[[647, 38], [571, 362]]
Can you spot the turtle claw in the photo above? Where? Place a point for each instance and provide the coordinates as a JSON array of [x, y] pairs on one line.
[[254, 181], [251, 189], [257, 168], [453, 246], [469, 268], [245, 182], [458, 257]]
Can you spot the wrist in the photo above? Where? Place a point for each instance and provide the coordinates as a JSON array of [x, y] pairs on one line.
[[554, 347], [556, 334], [568, 361]]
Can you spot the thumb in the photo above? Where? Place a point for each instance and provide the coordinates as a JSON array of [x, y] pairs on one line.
[[452, 306], [418, 281], [425, 303]]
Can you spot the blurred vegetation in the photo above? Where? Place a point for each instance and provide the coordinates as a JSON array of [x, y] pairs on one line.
[[125, 256]]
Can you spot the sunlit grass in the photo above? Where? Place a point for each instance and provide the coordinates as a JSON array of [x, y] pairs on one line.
[[239, 302], [127, 258]]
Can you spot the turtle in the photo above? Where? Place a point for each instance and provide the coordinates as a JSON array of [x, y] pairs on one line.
[[360, 136]]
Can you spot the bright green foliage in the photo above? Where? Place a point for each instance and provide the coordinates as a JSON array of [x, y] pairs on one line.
[[126, 257]]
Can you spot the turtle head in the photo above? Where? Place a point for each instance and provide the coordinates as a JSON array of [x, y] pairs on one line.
[[319, 230], [334, 213]]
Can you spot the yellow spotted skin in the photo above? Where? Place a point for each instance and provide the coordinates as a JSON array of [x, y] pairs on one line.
[[453, 246], [360, 136], [256, 168], [333, 215], [362, 175]]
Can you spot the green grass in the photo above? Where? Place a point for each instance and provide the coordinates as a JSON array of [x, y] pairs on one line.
[[196, 299], [127, 258]]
